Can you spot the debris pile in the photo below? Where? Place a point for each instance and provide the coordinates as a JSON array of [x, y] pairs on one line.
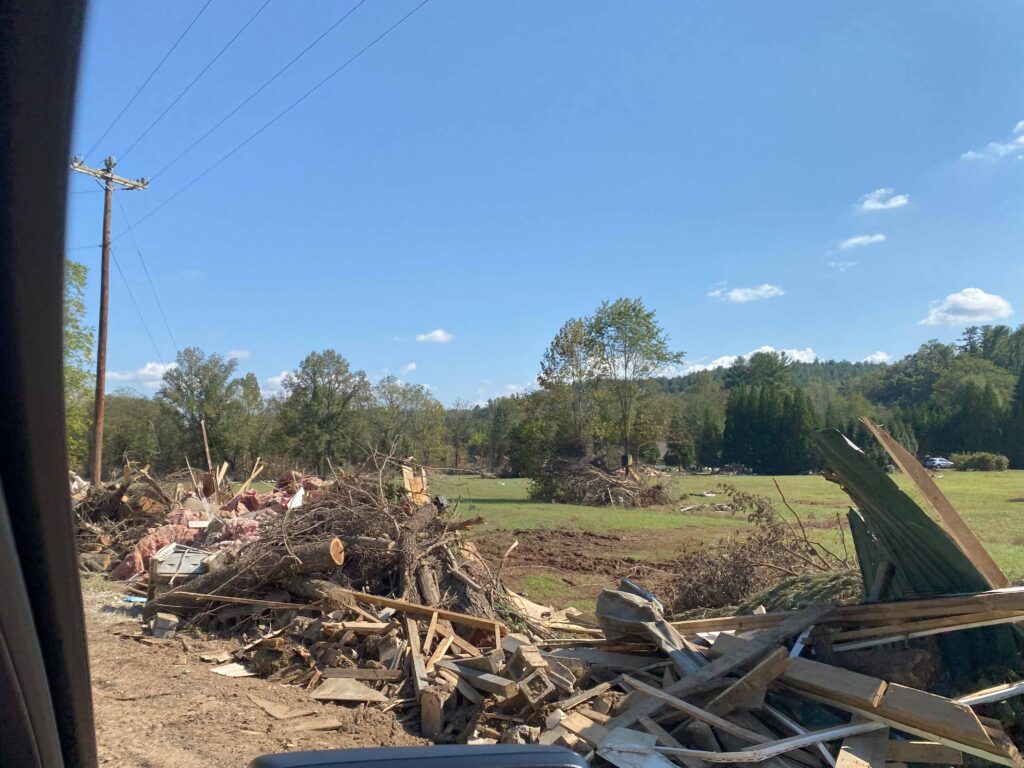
[[368, 598], [580, 481]]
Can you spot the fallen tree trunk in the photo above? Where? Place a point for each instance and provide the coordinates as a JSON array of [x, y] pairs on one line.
[[249, 573]]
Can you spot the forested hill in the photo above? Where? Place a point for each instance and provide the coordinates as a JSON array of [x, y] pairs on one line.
[[831, 372]]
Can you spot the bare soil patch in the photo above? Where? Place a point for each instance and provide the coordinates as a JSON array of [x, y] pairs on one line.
[[584, 561], [157, 704]]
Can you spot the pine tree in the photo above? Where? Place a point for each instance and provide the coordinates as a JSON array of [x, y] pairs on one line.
[[709, 445], [1013, 429]]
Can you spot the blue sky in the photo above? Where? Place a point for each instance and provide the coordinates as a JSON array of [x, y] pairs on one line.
[[817, 177]]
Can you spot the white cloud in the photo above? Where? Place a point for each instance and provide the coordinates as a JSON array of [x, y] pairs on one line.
[[274, 385], [860, 241], [971, 305], [409, 368], [805, 355], [877, 357], [743, 295], [149, 376], [997, 149], [238, 354], [842, 266], [882, 199], [439, 336]]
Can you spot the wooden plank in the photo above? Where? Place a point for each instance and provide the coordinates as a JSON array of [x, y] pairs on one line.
[[431, 629], [346, 689], [959, 531], [432, 701], [199, 597], [763, 751], [666, 739], [418, 669], [332, 628], [358, 673], [693, 711], [997, 753], [318, 724], [996, 693], [976, 621], [585, 728], [923, 752], [749, 721], [1008, 599], [905, 627], [472, 694], [280, 711], [764, 643], [424, 611], [582, 696], [457, 641], [864, 750], [730, 623], [754, 681], [937, 714], [790, 724], [815, 677], [483, 681], [439, 652]]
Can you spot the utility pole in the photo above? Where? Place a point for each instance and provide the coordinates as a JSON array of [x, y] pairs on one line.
[[109, 179]]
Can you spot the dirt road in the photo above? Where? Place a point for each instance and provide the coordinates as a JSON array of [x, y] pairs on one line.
[[157, 704]]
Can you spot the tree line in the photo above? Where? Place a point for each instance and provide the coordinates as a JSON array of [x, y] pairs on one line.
[[606, 389]]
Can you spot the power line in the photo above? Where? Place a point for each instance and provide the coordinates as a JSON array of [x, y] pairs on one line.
[[195, 79], [259, 90], [135, 304], [145, 269], [150, 77], [283, 112]]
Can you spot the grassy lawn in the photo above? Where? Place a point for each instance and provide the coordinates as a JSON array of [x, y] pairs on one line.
[[991, 502]]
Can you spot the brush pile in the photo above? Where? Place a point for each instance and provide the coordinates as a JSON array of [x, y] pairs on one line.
[[568, 481]]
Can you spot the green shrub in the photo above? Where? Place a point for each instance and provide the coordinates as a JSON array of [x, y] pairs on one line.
[[980, 462]]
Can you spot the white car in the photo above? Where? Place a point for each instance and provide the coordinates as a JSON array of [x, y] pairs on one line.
[[937, 462]]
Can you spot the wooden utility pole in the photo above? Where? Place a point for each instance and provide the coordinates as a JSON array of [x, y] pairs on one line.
[[109, 179]]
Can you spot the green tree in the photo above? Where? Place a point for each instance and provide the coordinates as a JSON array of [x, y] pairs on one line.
[[319, 419], [141, 429], [567, 371], [202, 387], [459, 429], [78, 376], [1013, 431], [709, 444], [628, 348], [761, 369], [682, 451], [407, 419]]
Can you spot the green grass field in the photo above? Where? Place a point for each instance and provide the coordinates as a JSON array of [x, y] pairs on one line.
[[991, 502]]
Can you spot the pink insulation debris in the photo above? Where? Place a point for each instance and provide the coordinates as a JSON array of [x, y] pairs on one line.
[[137, 561]]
